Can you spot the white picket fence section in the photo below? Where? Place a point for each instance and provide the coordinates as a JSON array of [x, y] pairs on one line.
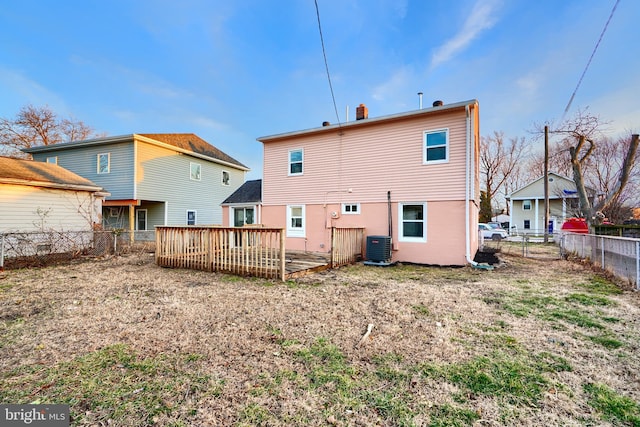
[[619, 255]]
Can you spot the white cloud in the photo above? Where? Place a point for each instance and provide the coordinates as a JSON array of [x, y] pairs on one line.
[[393, 85], [19, 90], [206, 122], [482, 17]]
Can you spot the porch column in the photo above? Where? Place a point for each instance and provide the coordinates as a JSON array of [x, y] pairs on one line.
[[132, 223]]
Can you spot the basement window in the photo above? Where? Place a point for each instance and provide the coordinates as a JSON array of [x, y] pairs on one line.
[[295, 221], [413, 223], [351, 208]]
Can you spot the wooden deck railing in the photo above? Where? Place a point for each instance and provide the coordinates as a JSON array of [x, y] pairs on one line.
[[346, 245], [243, 251]]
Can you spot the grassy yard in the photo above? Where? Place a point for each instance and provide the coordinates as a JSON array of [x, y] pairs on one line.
[[124, 342]]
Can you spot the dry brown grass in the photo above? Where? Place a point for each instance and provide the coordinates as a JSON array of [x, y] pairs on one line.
[[248, 335]]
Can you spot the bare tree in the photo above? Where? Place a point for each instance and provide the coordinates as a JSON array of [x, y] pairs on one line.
[[35, 126], [583, 132], [558, 160], [499, 161]]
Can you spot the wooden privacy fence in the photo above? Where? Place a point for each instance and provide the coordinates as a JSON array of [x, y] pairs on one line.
[[346, 246], [243, 251]]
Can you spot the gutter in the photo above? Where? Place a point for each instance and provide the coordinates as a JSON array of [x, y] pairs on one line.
[[49, 184], [468, 191]]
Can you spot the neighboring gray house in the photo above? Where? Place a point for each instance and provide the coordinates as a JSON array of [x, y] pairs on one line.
[[527, 210], [243, 206], [154, 179]]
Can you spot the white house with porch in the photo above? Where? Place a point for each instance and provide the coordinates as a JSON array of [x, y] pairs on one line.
[[527, 207]]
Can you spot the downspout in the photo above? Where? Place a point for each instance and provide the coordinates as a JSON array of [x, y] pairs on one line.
[[389, 214], [467, 197]]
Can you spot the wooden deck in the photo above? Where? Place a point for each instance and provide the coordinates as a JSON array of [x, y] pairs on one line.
[[251, 251], [298, 263]]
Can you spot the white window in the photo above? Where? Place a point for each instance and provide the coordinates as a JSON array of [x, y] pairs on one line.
[[53, 160], [413, 222], [141, 219], [195, 170], [296, 157], [295, 221], [436, 146], [526, 205], [351, 208], [104, 163], [191, 217], [225, 178]]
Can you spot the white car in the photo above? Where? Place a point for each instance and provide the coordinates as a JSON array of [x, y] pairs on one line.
[[492, 233]]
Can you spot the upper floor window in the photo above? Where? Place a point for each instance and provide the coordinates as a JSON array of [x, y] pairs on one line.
[[526, 205], [53, 160], [436, 146], [413, 223], [195, 171], [225, 178], [296, 158], [104, 163], [351, 208]]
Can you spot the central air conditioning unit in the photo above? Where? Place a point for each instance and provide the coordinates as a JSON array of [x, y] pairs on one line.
[[378, 250]]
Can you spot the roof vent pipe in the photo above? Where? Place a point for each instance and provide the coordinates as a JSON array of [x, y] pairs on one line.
[[420, 96], [438, 103]]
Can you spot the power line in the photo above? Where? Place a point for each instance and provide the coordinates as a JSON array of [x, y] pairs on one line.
[[590, 58], [326, 64]]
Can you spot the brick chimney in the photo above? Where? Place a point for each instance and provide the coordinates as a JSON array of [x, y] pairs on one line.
[[362, 112]]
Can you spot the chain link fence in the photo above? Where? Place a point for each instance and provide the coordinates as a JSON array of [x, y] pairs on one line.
[[37, 249]]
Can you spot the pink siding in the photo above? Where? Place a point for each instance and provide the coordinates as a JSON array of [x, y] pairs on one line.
[[360, 164], [445, 243], [369, 160]]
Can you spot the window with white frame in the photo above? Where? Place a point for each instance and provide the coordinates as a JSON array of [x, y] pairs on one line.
[[351, 208], [225, 178], [413, 223], [195, 171], [296, 158], [191, 217], [526, 205], [104, 163], [527, 224], [52, 160], [436, 146], [295, 221]]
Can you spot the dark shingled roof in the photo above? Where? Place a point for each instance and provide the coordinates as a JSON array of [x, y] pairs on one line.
[[40, 172], [249, 192], [192, 142]]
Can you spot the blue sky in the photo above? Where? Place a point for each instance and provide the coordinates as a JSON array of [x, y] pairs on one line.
[[232, 71]]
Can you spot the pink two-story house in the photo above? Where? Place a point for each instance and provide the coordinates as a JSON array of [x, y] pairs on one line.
[[411, 176]]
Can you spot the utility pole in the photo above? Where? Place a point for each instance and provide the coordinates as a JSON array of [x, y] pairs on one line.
[[546, 184]]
